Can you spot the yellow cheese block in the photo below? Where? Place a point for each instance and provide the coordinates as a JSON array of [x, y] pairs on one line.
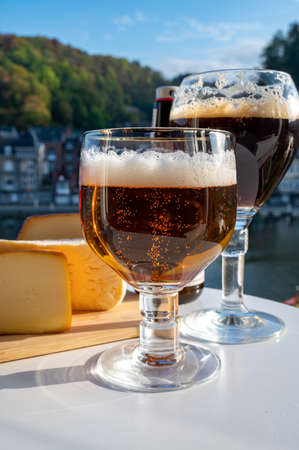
[[94, 286], [51, 226], [30, 301]]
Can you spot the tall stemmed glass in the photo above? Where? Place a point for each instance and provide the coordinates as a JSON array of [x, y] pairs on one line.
[[157, 205], [261, 108]]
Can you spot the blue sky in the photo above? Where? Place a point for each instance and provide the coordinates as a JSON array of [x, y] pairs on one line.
[[170, 36]]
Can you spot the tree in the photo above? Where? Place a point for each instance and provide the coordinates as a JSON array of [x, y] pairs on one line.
[[62, 112], [45, 82], [33, 111], [283, 52]]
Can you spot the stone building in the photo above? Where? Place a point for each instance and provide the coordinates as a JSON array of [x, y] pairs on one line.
[[21, 166], [71, 159], [52, 138]]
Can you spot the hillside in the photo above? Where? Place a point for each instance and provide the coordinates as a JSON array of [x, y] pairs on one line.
[[43, 82]]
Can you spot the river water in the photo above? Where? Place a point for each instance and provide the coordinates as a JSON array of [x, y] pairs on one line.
[[272, 262]]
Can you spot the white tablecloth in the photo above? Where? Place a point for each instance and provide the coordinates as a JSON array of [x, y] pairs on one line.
[[51, 402]]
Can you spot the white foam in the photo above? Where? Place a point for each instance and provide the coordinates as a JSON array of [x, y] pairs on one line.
[[219, 107], [244, 98], [155, 169]]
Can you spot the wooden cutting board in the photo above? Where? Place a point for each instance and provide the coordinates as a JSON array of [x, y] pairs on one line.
[[88, 328]]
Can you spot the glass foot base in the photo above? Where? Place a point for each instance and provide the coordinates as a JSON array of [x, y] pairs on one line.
[[225, 328], [119, 367]]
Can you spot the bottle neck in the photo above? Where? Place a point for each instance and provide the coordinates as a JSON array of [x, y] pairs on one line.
[[163, 111]]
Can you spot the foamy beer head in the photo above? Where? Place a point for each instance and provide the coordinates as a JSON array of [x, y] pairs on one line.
[[161, 211], [237, 93], [261, 108], [154, 168]]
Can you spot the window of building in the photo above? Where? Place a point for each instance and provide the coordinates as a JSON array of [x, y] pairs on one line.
[[7, 150], [14, 198], [51, 154], [8, 184], [27, 166], [62, 187], [69, 146], [46, 168], [8, 166]]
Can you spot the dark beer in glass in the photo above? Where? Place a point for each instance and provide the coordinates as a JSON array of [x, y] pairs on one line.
[[261, 109]]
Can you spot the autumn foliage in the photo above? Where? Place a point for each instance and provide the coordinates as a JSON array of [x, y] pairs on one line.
[[43, 82]]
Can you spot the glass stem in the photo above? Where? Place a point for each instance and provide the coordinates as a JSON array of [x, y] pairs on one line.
[[159, 334], [233, 261]]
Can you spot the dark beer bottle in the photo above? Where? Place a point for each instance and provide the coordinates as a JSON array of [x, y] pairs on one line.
[[160, 118], [162, 105], [193, 289]]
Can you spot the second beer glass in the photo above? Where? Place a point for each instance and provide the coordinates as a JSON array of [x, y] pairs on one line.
[[261, 108]]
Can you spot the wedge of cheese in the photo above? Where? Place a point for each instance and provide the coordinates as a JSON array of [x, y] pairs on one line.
[[51, 226], [30, 300], [94, 286]]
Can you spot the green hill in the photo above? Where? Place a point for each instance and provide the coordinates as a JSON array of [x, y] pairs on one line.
[[43, 82]]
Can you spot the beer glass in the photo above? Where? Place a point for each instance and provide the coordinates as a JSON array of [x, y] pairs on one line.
[[260, 107], [157, 205]]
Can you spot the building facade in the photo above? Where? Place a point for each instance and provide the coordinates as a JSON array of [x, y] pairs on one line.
[[21, 166]]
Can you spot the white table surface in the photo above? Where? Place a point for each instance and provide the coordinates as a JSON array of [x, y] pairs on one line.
[[51, 402]]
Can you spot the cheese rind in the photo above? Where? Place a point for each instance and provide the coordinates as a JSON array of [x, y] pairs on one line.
[[51, 226], [94, 285], [35, 293]]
